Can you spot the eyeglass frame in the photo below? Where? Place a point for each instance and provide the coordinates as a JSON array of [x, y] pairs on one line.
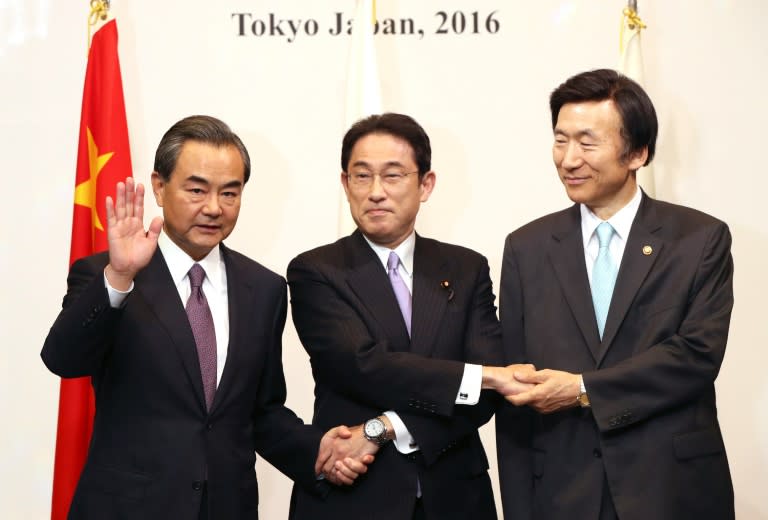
[[390, 179]]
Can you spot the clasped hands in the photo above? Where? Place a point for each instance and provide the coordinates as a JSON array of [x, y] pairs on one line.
[[546, 391], [344, 454]]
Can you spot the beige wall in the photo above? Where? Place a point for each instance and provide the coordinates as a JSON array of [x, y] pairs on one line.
[[483, 100]]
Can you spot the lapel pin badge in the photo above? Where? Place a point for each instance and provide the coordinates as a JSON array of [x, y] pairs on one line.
[[445, 284], [647, 250]]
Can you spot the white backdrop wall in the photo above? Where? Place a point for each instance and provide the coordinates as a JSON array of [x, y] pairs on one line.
[[481, 97]]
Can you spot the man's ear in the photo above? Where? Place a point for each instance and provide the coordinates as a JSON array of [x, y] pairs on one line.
[[637, 159], [158, 188], [427, 184], [345, 183]]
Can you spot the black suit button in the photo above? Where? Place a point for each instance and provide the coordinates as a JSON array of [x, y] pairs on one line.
[[209, 426], [597, 453], [197, 485]]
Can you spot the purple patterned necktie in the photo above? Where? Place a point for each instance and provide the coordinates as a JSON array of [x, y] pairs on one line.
[[402, 293], [201, 320]]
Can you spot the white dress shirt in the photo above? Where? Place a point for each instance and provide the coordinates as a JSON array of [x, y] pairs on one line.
[[214, 286], [621, 222], [472, 379]]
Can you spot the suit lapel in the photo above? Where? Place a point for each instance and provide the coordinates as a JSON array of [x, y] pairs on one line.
[[429, 297], [155, 284], [368, 280], [567, 256], [635, 265]]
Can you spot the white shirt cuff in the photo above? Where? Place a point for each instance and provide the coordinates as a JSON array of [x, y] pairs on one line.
[[116, 297], [404, 441], [581, 383], [471, 383]]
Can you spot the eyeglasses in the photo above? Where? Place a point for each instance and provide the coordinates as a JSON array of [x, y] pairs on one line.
[[388, 178]]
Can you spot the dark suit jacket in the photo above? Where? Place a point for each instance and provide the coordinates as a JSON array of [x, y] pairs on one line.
[[153, 441], [364, 363], [651, 437]]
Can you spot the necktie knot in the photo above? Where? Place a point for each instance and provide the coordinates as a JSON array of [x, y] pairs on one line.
[[604, 234], [393, 262], [196, 276]]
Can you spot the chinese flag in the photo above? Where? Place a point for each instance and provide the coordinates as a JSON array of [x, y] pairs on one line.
[[103, 159]]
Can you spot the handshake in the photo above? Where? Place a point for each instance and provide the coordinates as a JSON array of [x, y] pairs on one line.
[[345, 452], [546, 391]]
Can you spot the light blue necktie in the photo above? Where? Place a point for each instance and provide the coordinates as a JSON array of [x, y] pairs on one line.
[[603, 276]]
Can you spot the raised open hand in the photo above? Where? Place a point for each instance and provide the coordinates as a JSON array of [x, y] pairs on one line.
[[130, 246]]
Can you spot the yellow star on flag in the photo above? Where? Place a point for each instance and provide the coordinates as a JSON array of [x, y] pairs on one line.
[[85, 192]]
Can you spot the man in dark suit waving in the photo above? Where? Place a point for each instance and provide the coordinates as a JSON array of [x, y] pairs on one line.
[[182, 339], [397, 327], [623, 302]]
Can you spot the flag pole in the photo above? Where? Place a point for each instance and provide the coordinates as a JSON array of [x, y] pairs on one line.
[[631, 65]]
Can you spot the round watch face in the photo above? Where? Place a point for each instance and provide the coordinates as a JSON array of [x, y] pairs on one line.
[[374, 428]]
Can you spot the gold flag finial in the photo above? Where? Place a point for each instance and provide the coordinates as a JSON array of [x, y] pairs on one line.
[[99, 11], [629, 20], [633, 19]]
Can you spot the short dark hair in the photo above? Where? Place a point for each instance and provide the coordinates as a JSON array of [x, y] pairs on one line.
[[203, 129], [396, 125], [639, 126]]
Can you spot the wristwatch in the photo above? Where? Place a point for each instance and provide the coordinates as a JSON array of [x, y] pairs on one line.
[[376, 431], [582, 399]]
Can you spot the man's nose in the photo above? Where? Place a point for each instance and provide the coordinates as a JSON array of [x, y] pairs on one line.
[[212, 206], [572, 157], [377, 191]]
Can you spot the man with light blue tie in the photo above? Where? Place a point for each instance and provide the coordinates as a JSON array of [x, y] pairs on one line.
[[398, 327], [623, 303]]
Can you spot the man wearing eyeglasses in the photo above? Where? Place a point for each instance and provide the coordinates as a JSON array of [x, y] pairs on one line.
[[397, 327]]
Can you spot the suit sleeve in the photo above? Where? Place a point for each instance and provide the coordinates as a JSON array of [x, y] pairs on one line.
[[682, 365], [349, 360], [83, 333], [482, 342], [279, 435], [514, 425]]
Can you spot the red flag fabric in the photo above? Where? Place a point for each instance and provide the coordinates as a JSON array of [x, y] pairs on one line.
[[103, 159]]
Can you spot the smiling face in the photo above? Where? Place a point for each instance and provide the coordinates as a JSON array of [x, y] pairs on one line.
[[385, 213], [201, 199], [587, 153]]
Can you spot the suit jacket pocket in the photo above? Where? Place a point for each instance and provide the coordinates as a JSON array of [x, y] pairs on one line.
[[112, 481], [698, 443]]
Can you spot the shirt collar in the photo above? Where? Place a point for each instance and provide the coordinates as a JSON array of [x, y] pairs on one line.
[[404, 251], [621, 221], [179, 263]]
